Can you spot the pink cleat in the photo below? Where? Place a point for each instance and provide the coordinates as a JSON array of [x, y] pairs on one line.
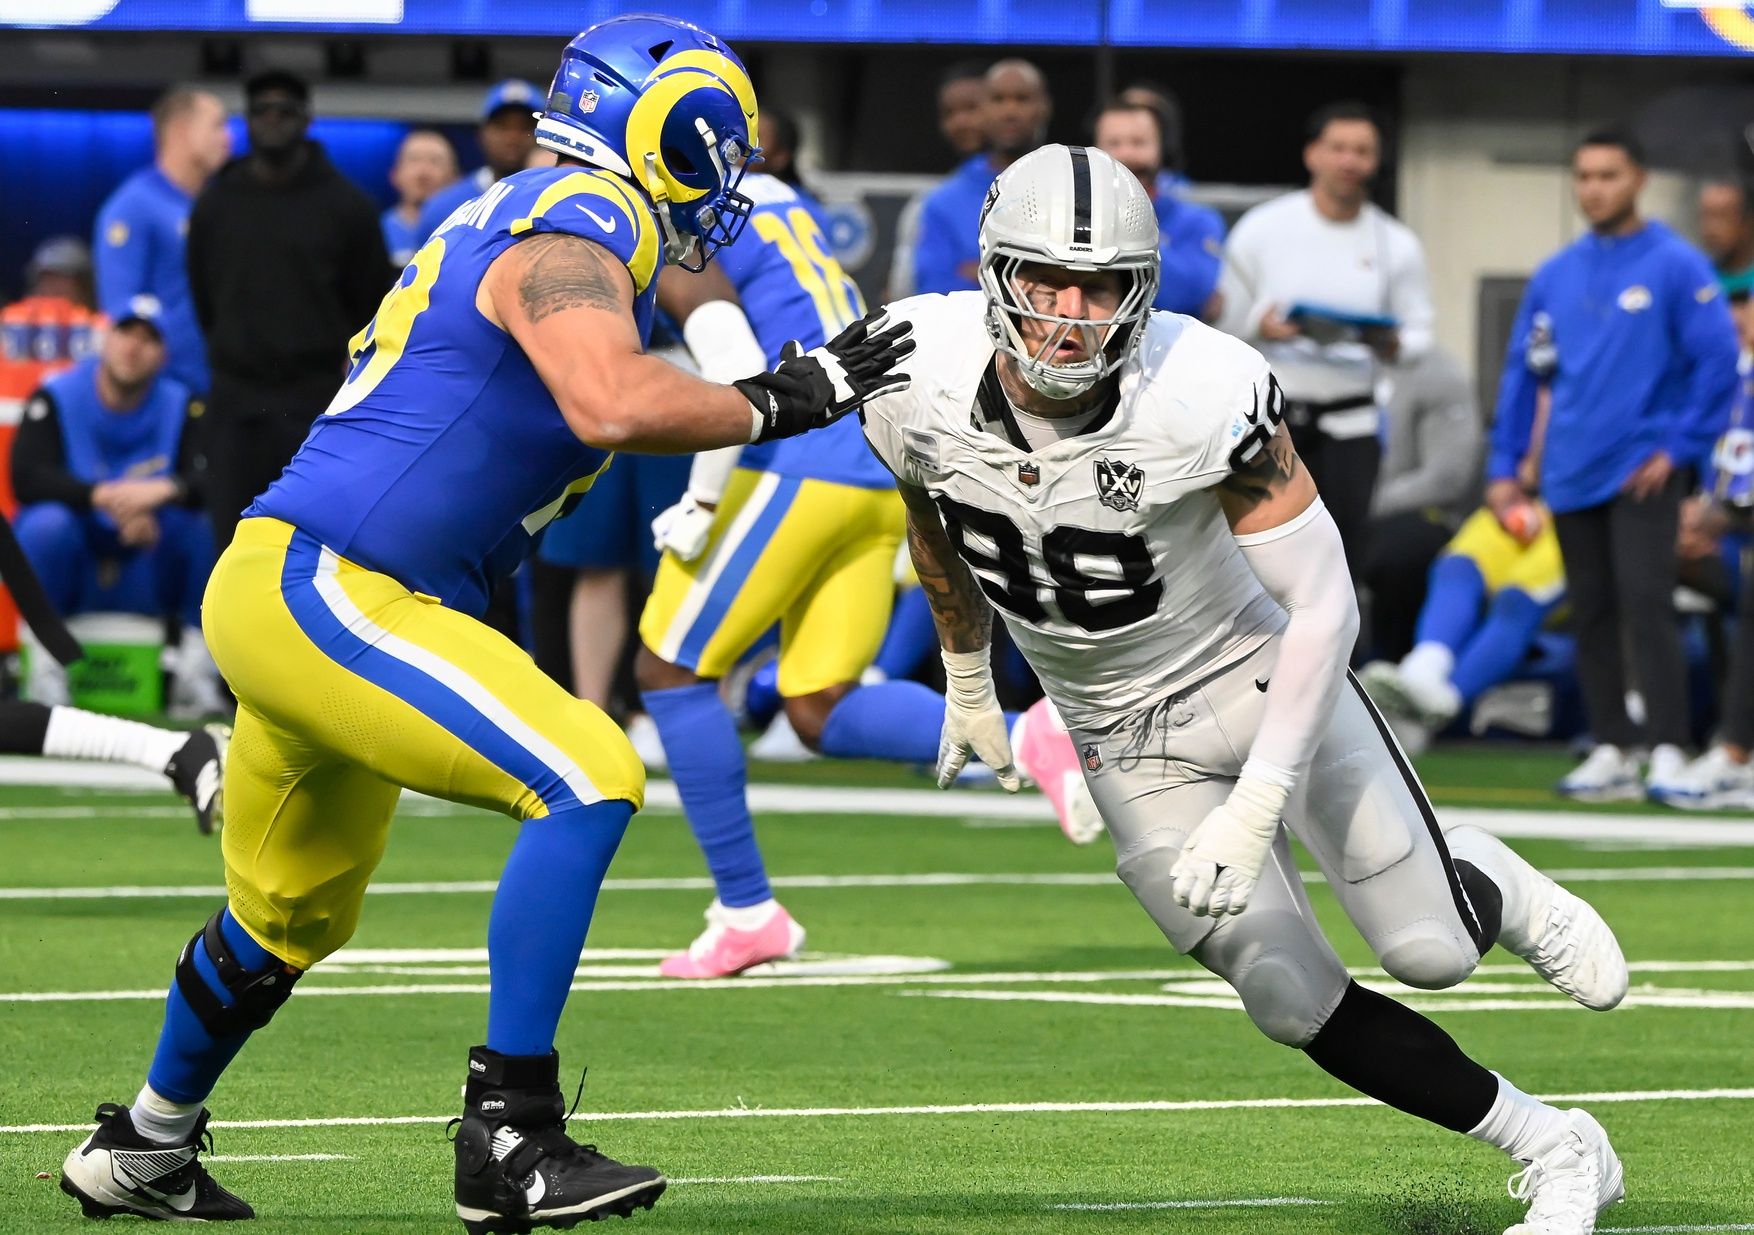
[[724, 951], [1045, 753]]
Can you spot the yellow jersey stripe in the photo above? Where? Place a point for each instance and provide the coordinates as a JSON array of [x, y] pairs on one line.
[[643, 266]]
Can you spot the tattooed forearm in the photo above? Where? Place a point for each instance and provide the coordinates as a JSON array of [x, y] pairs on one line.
[[569, 272], [1266, 474], [959, 609]]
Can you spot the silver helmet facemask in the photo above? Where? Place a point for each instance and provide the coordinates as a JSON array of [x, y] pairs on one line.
[[1077, 209]]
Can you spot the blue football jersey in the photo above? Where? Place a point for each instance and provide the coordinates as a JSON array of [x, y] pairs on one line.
[[792, 288], [443, 454]]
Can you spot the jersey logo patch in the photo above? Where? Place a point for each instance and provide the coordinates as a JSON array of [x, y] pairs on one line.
[[608, 225], [1118, 484], [1092, 757], [1029, 472]]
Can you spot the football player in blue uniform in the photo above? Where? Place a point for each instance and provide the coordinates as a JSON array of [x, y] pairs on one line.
[[484, 397], [803, 535]]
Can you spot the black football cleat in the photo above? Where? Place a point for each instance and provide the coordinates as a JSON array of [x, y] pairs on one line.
[[197, 771], [118, 1171], [517, 1169]]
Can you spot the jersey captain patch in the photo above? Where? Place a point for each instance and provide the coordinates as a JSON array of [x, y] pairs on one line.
[[1119, 484]]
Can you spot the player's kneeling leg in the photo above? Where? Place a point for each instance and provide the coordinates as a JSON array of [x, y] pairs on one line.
[[1288, 978]]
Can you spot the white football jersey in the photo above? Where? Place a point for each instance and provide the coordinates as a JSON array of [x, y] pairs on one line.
[[1106, 552]]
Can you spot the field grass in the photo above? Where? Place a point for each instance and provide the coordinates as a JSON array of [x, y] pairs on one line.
[[735, 1083]]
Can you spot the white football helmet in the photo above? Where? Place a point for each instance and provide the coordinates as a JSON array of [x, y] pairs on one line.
[[1075, 207]]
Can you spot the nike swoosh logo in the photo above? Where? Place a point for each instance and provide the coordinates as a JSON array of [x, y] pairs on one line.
[[1261, 684], [608, 225]]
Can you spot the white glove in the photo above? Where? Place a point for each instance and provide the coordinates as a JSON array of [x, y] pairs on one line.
[[1221, 863], [683, 528], [973, 721]]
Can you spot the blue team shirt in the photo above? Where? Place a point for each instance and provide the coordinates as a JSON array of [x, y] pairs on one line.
[[141, 234], [443, 454], [791, 287], [102, 444], [401, 238], [439, 206], [1191, 238], [950, 222], [1640, 354]]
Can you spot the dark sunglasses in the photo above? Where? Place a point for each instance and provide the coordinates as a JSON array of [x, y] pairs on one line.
[[277, 107]]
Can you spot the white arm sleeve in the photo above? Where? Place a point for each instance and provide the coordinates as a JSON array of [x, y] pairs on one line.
[[1410, 298], [725, 347], [1302, 564]]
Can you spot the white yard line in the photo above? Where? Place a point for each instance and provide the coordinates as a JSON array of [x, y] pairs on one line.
[[972, 1108], [1263, 1202], [1672, 1230], [760, 1179], [1690, 1000], [278, 1158]]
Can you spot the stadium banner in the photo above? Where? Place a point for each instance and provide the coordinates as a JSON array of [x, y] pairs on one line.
[[1607, 27]]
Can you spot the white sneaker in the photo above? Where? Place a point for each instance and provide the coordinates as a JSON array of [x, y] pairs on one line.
[[1433, 703], [781, 744], [1713, 781], [642, 731], [1608, 775], [1566, 941], [45, 681], [1571, 1182]]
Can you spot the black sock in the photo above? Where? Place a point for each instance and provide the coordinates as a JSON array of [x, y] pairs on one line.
[[1486, 900], [1391, 1053], [24, 727]]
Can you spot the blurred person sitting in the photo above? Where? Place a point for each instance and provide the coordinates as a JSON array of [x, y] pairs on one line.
[[507, 135], [286, 262], [1644, 370], [105, 469], [962, 100], [142, 228], [53, 323], [1724, 775], [1434, 443], [1190, 236], [1015, 118], [1329, 285], [1726, 231], [425, 163]]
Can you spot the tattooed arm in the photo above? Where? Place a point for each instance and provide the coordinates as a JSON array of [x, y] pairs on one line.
[[959, 608], [1271, 489], [568, 302]]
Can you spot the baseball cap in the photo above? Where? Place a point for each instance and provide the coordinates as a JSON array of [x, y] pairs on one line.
[[512, 92], [146, 310], [66, 255]]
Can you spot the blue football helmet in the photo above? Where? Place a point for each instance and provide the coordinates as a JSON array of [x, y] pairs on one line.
[[670, 107]]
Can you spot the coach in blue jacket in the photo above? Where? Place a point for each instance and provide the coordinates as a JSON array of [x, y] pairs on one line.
[[1629, 329]]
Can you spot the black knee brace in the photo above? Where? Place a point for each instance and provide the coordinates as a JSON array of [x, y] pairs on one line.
[[256, 997]]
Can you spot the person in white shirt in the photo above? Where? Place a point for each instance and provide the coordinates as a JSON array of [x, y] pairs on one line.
[[1328, 285]]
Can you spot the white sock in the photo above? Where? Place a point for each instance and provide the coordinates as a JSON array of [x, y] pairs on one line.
[[74, 734], [1520, 1125], [1429, 662], [157, 1118], [749, 917]]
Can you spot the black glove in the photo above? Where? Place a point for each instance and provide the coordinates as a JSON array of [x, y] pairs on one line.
[[813, 388]]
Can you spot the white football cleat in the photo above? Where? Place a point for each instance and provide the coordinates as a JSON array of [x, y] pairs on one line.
[[642, 731], [1608, 775], [1713, 781], [781, 743], [1566, 941], [1569, 1183], [1045, 753]]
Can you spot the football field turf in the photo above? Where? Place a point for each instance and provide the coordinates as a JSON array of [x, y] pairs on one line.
[[985, 1035]]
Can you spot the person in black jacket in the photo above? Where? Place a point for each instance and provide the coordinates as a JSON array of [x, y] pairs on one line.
[[286, 262]]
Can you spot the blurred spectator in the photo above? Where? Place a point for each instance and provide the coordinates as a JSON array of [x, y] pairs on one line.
[[1327, 285], [1726, 232], [1630, 322], [143, 227], [1190, 236], [104, 467], [286, 261], [52, 325], [60, 269], [962, 100], [507, 135], [1430, 481], [1016, 117], [1724, 775], [1172, 159], [778, 139], [425, 163]]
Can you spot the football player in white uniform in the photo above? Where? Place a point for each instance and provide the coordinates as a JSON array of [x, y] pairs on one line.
[[1116, 482]]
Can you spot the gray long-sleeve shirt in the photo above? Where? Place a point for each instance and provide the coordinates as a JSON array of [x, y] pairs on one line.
[[1435, 439]]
